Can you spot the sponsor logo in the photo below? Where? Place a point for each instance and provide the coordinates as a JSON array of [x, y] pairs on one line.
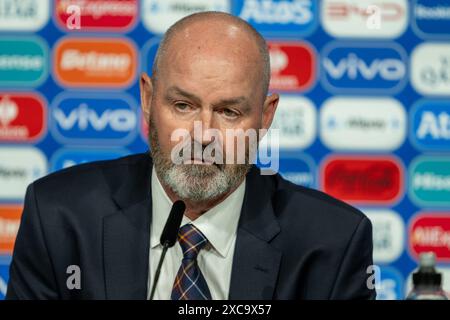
[[4, 275], [23, 61], [293, 66], [390, 284], [430, 181], [430, 125], [388, 235], [296, 121], [65, 158], [365, 18], [97, 15], [430, 232], [430, 69], [279, 18], [366, 124], [431, 18], [94, 119], [95, 62], [9, 225], [356, 68], [23, 117], [159, 15], [298, 169], [19, 166], [363, 180], [30, 15]]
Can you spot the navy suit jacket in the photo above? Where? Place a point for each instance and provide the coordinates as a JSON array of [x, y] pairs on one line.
[[292, 242]]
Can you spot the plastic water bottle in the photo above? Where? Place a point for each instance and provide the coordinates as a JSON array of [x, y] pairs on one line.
[[427, 282]]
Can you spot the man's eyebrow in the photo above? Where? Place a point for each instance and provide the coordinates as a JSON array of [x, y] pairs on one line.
[[181, 92]]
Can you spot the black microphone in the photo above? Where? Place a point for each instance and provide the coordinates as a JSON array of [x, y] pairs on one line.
[[169, 236]]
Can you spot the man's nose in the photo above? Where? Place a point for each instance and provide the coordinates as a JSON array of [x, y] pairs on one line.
[[207, 124]]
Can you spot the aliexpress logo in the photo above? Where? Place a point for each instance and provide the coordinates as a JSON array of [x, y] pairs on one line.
[[95, 62], [23, 117], [362, 179], [9, 225], [430, 232]]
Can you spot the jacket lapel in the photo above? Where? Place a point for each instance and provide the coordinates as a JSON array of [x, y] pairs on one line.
[[255, 262], [126, 233]]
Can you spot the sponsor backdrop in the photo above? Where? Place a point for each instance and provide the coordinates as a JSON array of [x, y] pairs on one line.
[[364, 112]]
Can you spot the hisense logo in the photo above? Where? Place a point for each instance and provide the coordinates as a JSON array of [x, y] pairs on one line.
[[21, 62], [431, 181]]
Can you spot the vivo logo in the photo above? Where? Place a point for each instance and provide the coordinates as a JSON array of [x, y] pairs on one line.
[[94, 119], [367, 68]]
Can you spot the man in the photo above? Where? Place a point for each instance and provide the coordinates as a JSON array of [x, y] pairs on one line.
[[243, 236]]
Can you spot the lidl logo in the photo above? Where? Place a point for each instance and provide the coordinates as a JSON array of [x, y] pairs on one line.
[[430, 231], [96, 15], [431, 18], [365, 18], [364, 180], [430, 125], [362, 124], [23, 117], [23, 61], [94, 119], [95, 62], [283, 18], [430, 68], [9, 225], [29, 15], [68, 157], [19, 166], [159, 15], [363, 68], [430, 181], [293, 66]]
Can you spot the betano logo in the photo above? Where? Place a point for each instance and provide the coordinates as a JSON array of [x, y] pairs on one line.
[[365, 18], [279, 18], [430, 69], [9, 225], [431, 18], [363, 68], [29, 15], [23, 61], [364, 180], [430, 181], [23, 117], [430, 231], [293, 66], [430, 125], [97, 15], [94, 119], [159, 15], [95, 62], [363, 124]]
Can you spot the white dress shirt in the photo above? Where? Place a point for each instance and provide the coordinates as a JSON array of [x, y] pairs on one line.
[[219, 225]]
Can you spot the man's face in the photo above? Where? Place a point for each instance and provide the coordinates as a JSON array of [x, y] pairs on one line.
[[222, 91]]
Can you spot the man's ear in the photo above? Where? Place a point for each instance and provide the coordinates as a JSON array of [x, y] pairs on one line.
[[269, 108], [146, 88]]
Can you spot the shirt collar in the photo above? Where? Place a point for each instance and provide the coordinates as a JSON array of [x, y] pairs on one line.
[[218, 224]]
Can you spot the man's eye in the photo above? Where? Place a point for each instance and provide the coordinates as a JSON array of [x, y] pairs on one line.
[[229, 113], [182, 106]]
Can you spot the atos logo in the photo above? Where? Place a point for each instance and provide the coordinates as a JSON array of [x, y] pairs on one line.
[[363, 68], [284, 18], [390, 284], [94, 119], [23, 117], [298, 169], [365, 18], [430, 232], [9, 225], [69, 157], [430, 181], [95, 15], [431, 18], [4, 275], [363, 180], [430, 125], [293, 66]]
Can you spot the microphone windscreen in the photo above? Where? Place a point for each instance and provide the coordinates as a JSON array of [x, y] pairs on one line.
[[170, 232]]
